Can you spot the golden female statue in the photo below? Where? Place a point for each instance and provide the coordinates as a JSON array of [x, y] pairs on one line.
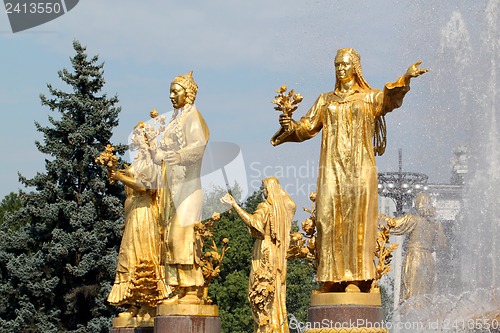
[[140, 279], [180, 153], [351, 117], [270, 225], [424, 236]]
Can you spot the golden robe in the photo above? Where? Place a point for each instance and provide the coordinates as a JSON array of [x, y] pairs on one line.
[[140, 246], [181, 196], [270, 225], [424, 237], [347, 194]]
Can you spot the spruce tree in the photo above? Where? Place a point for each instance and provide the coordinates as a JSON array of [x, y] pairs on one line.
[[57, 268], [10, 203]]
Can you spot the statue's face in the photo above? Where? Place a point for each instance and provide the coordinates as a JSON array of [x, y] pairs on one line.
[[424, 206], [344, 68], [264, 192], [177, 95]]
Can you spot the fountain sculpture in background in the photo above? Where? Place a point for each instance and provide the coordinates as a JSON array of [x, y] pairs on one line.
[[425, 236], [473, 305]]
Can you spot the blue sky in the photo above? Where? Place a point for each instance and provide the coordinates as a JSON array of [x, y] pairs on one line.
[[241, 51]]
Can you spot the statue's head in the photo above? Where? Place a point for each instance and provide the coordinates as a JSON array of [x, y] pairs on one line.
[[347, 65], [183, 90], [423, 205], [140, 124], [142, 135], [271, 185]]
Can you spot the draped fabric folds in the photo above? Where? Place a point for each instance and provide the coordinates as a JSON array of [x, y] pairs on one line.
[[139, 255], [347, 193], [181, 196]]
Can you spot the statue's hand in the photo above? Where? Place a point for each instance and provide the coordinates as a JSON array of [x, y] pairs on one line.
[[414, 71], [228, 199], [285, 121], [386, 221], [116, 174], [383, 219], [173, 158]]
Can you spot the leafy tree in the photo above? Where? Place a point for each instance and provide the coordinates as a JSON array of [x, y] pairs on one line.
[[56, 269], [299, 286], [212, 203], [230, 290]]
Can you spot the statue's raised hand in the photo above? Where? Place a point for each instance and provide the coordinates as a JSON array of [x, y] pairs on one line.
[[228, 199], [414, 71]]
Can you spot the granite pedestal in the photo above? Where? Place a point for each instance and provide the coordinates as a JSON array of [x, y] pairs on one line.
[[353, 312], [187, 318]]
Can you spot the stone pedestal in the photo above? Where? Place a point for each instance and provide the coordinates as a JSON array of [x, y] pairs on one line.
[[187, 318], [132, 325], [132, 330], [346, 313]]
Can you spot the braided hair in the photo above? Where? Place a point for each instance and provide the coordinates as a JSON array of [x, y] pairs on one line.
[[380, 132]]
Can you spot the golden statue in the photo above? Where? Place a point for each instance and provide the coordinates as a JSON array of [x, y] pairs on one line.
[[352, 120], [180, 152], [270, 225], [140, 280], [425, 236]]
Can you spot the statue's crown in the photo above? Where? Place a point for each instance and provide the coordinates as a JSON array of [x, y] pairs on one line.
[[187, 82]]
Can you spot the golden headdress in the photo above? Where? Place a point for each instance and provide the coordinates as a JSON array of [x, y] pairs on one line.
[[280, 219], [186, 81]]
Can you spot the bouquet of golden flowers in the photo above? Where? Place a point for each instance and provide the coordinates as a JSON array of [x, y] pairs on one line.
[[108, 159], [287, 103]]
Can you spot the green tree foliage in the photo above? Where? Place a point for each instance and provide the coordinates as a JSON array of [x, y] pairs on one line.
[[56, 270], [299, 286], [10, 203], [230, 290]]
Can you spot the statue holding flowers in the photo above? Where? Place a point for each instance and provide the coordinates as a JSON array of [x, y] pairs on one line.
[[140, 279], [351, 118]]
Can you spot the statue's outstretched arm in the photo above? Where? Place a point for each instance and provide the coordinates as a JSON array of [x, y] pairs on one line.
[[121, 176], [254, 221], [413, 71], [229, 200]]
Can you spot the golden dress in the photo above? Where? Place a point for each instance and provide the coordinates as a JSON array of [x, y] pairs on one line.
[[347, 194], [139, 255], [424, 236], [270, 225], [181, 196]]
